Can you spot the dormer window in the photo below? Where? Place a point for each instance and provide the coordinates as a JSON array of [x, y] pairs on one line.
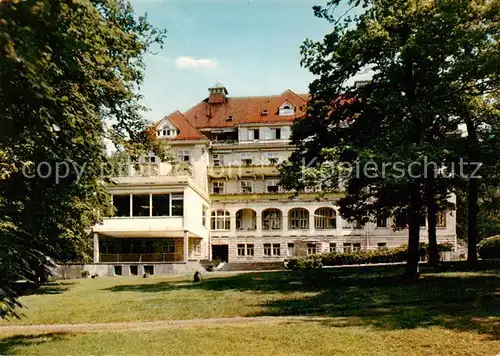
[[264, 112], [286, 109], [167, 132], [229, 118]]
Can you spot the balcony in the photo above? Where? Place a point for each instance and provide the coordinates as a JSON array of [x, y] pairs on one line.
[[141, 226], [271, 196], [141, 257], [234, 172]]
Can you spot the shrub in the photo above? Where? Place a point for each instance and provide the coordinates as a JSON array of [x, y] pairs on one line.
[[489, 247], [398, 254], [85, 273]]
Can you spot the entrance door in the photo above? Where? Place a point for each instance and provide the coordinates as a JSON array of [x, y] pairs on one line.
[[220, 252]]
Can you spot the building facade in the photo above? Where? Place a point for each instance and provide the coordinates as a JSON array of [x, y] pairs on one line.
[[233, 208]]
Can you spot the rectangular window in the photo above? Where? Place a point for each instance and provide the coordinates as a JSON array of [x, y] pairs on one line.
[[218, 187], [276, 133], [183, 155], [311, 249], [271, 158], [253, 134], [204, 211], [381, 222], [272, 186], [441, 219], [356, 247], [347, 247], [291, 249], [177, 204], [250, 251], [333, 247], [140, 205], [246, 159], [382, 245], [246, 186], [267, 249], [122, 204], [134, 271], [118, 270], [161, 204], [241, 250], [150, 159], [423, 219], [218, 160], [276, 249], [149, 270]]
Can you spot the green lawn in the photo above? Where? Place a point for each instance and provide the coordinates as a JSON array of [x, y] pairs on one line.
[[371, 311]]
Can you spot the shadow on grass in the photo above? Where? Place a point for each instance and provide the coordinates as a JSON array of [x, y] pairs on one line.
[[374, 296], [9, 345], [51, 288]]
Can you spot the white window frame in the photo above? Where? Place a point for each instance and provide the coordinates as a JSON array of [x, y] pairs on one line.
[[220, 220], [286, 109], [218, 160], [250, 247], [271, 221], [267, 249], [183, 154], [241, 250], [276, 249], [218, 184], [312, 248], [268, 156], [333, 247], [298, 219], [273, 183], [325, 218], [245, 157], [246, 186]]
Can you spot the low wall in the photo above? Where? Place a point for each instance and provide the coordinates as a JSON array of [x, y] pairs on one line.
[[71, 271]]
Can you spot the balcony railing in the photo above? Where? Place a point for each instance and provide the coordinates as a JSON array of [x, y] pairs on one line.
[[142, 257]]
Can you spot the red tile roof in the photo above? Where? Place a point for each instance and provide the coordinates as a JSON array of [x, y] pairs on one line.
[[245, 110], [186, 130]]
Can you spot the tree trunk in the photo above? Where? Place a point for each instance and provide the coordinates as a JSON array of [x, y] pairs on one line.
[[431, 230], [472, 222], [411, 270]]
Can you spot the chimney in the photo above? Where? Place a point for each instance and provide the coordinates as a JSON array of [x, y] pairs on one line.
[[217, 94]]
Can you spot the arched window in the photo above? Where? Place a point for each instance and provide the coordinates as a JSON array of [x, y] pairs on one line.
[[298, 218], [246, 219], [271, 219], [221, 220], [325, 218]]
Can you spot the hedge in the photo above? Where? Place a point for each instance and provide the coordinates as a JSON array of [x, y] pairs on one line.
[[489, 247], [398, 254]]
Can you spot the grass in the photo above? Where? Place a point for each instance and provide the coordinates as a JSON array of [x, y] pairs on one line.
[[371, 311], [288, 339]]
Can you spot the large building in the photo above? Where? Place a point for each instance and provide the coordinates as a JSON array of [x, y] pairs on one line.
[[223, 199]]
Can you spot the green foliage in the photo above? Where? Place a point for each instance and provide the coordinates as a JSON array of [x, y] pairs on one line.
[[490, 247], [422, 90], [67, 70], [399, 254]]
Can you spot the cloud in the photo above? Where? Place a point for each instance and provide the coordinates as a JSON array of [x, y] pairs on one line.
[[190, 62]]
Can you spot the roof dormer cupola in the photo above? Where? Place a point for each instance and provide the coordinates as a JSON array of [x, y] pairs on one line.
[[217, 94]]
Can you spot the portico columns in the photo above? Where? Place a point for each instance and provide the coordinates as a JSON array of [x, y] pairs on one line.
[[96, 248]]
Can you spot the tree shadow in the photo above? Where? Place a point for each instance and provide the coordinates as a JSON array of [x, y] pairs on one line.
[[51, 288], [9, 344], [375, 296]]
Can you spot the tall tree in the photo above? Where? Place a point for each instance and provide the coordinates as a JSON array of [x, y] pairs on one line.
[[406, 115], [67, 68]]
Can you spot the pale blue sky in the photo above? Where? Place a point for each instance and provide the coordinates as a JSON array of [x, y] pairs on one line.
[[250, 46]]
